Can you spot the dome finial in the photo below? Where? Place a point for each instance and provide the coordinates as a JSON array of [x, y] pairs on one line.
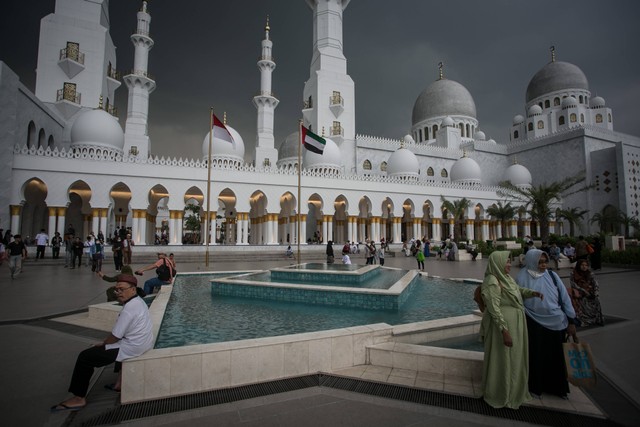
[[441, 70], [144, 6], [224, 118], [323, 131], [464, 152], [100, 104], [266, 27], [402, 143], [515, 160], [553, 53]]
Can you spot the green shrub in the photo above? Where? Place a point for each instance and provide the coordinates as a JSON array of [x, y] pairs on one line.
[[630, 256]]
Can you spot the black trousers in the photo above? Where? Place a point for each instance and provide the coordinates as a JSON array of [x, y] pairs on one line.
[[87, 361], [547, 373], [40, 251]]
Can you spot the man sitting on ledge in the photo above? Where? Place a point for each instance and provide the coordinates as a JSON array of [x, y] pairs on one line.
[[131, 336], [164, 273]]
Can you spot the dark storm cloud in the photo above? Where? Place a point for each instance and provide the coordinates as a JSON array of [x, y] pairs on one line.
[[205, 55]]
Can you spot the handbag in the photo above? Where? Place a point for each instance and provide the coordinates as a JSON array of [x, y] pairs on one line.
[[590, 249], [581, 370]]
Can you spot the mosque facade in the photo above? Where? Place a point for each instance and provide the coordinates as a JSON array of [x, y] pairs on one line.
[[67, 160]]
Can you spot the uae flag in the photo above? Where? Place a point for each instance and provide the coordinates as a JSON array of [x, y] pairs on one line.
[[312, 142], [220, 131]]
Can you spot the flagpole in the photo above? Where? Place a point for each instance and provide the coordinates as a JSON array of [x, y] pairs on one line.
[[299, 169], [206, 228]]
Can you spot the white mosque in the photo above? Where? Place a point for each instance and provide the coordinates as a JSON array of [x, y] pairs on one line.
[[66, 159]]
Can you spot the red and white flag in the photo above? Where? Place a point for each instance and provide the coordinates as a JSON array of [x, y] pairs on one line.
[[221, 132]]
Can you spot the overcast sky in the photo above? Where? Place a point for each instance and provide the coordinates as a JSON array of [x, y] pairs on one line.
[[205, 55]]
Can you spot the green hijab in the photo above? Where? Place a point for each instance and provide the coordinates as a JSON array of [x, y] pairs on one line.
[[497, 263]]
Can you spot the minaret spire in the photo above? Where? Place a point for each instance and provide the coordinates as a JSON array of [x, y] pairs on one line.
[[140, 84], [440, 70], [266, 155], [553, 53]]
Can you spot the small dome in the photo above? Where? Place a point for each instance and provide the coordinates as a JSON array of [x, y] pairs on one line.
[[518, 119], [403, 163], [443, 98], [479, 136], [534, 110], [569, 102], [597, 102], [223, 149], [97, 128], [447, 122], [517, 175], [289, 148], [408, 139], [329, 159], [492, 141], [465, 171], [555, 76]]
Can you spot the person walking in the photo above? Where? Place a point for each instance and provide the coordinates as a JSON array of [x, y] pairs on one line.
[[56, 242], [127, 244], [381, 254], [42, 240], [89, 248], [116, 248], [78, 250], [98, 256], [17, 253]]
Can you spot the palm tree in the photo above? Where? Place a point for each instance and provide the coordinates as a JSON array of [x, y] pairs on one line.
[[192, 222], [607, 219], [627, 221], [573, 216], [457, 209], [538, 199], [502, 213]]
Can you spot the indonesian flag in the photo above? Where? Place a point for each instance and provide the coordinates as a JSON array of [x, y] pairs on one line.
[[311, 141], [220, 131]]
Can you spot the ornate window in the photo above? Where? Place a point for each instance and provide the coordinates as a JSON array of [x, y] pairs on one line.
[[366, 165], [561, 120], [383, 166], [540, 124], [609, 117], [426, 133], [435, 129], [547, 104], [516, 134], [419, 135], [530, 126], [581, 99], [556, 101], [430, 171], [573, 118], [444, 174], [598, 118], [581, 118], [31, 134]]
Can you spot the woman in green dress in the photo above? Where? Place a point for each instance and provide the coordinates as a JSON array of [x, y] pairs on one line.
[[504, 333]]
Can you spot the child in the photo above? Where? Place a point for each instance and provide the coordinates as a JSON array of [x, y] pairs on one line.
[[381, 255], [345, 258]]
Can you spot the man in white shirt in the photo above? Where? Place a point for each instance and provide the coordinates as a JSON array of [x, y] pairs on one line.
[[131, 336], [42, 240]]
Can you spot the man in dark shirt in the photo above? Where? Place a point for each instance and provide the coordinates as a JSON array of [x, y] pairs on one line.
[[17, 252]]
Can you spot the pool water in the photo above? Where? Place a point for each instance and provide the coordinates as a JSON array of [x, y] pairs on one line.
[[195, 316], [377, 279]]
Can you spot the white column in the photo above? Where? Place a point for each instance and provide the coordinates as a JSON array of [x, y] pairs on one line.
[[362, 229], [470, 231], [498, 229], [330, 229], [485, 230], [52, 222], [135, 227], [527, 228], [61, 220], [514, 229], [552, 227], [303, 229], [435, 229], [179, 229], [269, 230], [95, 221]]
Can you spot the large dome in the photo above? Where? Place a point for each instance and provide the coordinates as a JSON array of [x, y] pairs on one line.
[[223, 149], [403, 164], [99, 129], [443, 98], [466, 171], [289, 148], [554, 76]]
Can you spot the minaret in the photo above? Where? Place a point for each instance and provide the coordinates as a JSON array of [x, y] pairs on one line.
[[140, 85], [266, 103], [329, 94]]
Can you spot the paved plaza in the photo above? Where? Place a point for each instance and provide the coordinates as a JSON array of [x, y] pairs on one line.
[[38, 358]]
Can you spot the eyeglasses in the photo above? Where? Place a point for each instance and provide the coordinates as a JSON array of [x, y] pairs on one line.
[[121, 290], [543, 261]]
